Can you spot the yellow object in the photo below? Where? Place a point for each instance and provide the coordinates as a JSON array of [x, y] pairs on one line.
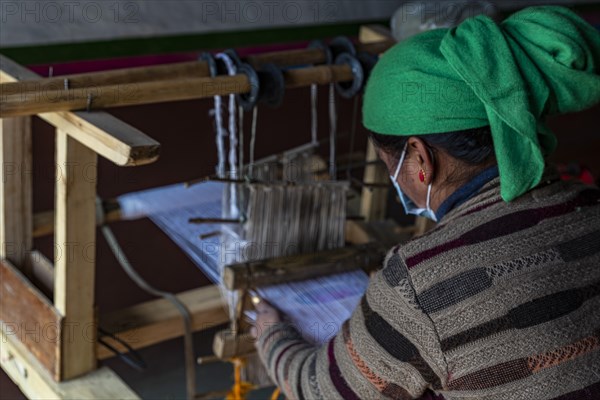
[[240, 388], [275, 394]]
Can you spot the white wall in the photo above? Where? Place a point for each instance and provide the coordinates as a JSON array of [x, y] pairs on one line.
[[27, 22], [66, 21]]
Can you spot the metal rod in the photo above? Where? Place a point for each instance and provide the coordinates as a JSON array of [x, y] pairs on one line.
[[209, 235], [200, 220], [214, 179]]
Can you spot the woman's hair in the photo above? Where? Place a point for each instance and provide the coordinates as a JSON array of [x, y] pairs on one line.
[[472, 147]]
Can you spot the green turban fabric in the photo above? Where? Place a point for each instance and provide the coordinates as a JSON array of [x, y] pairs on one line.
[[540, 61]]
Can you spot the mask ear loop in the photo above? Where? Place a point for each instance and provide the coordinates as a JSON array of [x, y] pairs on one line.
[[430, 185], [395, 177], [428, 198]]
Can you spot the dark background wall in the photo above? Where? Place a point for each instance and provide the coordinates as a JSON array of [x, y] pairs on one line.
[[185, 132], [188, 151]]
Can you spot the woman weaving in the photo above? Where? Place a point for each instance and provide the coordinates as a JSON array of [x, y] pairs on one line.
[[501, 300]]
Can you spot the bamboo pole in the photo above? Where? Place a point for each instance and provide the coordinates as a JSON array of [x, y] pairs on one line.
[[157, 91], [320, 75], [122, 95], [192, 69]]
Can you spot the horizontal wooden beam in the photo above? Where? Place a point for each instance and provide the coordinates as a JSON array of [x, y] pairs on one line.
[[108, 136], [155, 321], [124, 76], [43, 222], [303, 266], [188, 70], [42, 273], [159, 91]]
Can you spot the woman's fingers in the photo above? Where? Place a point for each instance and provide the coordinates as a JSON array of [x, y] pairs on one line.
[[254, 332], [266, 315]]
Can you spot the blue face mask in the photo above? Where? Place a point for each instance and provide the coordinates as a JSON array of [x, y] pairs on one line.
[[409, 206]]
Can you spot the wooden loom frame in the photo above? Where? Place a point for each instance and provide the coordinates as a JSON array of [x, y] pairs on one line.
[[48, 348]]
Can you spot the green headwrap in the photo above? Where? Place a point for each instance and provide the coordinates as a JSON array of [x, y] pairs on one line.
[[540, 61]]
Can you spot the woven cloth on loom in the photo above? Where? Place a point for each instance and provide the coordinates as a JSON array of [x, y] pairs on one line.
[[319, 306]]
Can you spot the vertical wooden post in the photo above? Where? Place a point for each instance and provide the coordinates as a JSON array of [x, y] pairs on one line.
[[16, 225], [373, 201], [75, 248]]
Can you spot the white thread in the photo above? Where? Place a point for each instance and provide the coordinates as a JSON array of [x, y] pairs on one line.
[[332, 132], [233, 200], [231, 70], [313, 113], [241, 140], [253, 140], [217, 112]]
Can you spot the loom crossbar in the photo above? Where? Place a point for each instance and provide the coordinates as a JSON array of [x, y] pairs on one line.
[[246, 275]]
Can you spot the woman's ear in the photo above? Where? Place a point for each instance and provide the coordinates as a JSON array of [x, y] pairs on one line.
[[423, 160]]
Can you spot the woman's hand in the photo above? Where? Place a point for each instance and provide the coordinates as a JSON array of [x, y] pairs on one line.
[[266, 316]]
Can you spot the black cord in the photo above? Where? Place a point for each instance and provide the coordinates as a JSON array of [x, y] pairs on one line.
[[131, 358]]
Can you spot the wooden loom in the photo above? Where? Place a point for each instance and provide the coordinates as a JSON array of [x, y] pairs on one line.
[[59, 361]]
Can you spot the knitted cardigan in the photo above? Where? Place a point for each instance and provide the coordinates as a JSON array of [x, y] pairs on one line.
[[500, 301]]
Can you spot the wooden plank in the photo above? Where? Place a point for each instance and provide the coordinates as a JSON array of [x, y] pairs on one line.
[[303, 266], [375, 33], [156, 321], [36, 383], [228, 344], [374, 200], [75, 252], [28, 316], [108, 136], [16, 191]]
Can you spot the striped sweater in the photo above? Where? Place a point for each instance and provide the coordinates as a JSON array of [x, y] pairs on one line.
[[500, 301]]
